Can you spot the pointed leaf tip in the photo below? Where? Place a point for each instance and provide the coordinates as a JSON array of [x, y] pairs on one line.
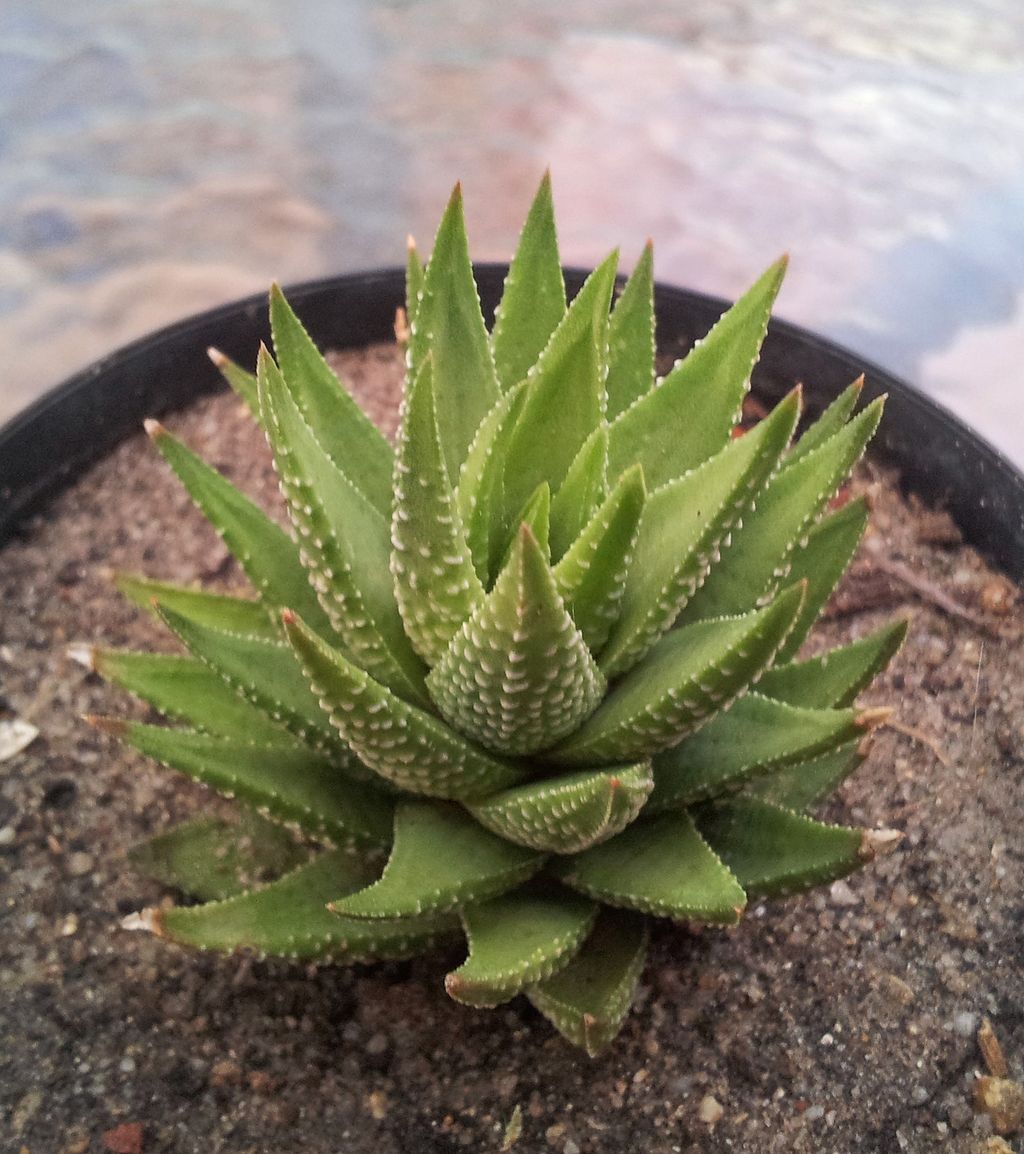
[[154, 429]]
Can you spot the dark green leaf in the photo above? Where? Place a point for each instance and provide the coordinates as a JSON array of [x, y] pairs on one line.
[[631, 338]]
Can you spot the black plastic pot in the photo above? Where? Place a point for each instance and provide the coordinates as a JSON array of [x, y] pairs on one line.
[[51, 442]]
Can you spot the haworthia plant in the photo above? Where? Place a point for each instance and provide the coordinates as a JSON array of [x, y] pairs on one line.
[[532, 675]]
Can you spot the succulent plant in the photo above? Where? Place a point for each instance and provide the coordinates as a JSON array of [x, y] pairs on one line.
[[530, 677]]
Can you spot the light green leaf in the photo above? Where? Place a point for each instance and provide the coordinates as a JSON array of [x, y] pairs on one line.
[[761, 551], [187, 690], [835, 677], [588, 1001], [414, 276], [687, 417], [660, 866], [212, 859], [570, 813], [536, 516], [774, 851], [265, 551], [516, 940], [690, 674], [533, 301], [441, 858], [230, 614], [631, 338], [449, 327], [581, 492], [413, 749], [435, 584], [290, 919], [241, 380], [800, 786], [285, 781], [592, 575], [344, 543], [684, 525], [755, 736], [347, 436], [518, 676], [829, 423]]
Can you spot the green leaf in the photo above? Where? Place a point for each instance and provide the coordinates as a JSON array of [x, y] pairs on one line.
[[516, 940], [570, 813], [774, 851], [518, 675], [351, 441], [536, 516], [414, 750], [187, 690], [436, 586], [282, 780], [821, 561], [835, 677], [449, 326], [684, 525], [687, 417], [588, 1001], [533, 301], [241, 380], [761, 551], [441, 858], [592, 575], [265, 551], [631, 338], [230, 614], [660, 866], [289, 918], [580, 493], [344, 542], [756, 735], [690, 674], [212, 859], [414, 276], [829, 423], [800, 786]]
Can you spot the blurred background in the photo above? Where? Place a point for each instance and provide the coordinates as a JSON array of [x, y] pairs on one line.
[[159, 157]]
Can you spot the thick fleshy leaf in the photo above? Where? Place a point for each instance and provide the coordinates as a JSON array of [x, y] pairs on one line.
[[829, 423], [518, 676], [516, 940], [241, 380], [533, 300], [408, 747], [660, 866], [775, 851], [346, 434], [690, 674], [344, 542], [589, 999], [289, 918], [570, 813], [684, 525], [441, 858], [212, 859], [687, 417], [230, 614], [264, 550], [283, 780], [449, 327], [755, 736], [761, 551], [835, 677], [592, 575], [800, 786], [631, 338], [536, 515], [581, 492], [435, 583], [563, 405], [187, 690], [821, 560], [414, 274]]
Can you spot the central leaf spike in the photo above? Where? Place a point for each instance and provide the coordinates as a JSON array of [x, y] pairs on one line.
[[518, 675]]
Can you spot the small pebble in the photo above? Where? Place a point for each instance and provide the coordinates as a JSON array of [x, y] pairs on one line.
[[710, 1110], [7, 835], [80, 864], [965, 1023], [813, 1113]]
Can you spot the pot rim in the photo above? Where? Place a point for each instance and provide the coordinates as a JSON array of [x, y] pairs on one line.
[[46, 445]]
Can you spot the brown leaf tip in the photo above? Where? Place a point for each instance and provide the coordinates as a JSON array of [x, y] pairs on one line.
[[154, 429], [218, 358], [878, 842], [114, 726]]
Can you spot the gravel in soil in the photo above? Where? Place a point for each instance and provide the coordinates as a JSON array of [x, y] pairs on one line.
[[845, 1020]]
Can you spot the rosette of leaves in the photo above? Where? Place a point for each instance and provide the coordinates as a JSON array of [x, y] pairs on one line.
[[528, 678]]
